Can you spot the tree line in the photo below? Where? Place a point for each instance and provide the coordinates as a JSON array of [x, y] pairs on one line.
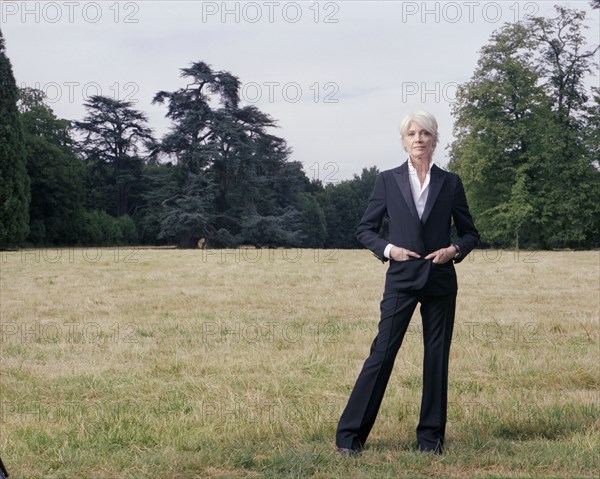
[[528, 135], [526, 148]]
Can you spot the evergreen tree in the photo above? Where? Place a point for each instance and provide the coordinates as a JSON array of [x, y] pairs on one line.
[[254, 188], [14, 182], [115, 135], [159, 184], [313, 224], [56, 209], [186, 215], [344, 204]]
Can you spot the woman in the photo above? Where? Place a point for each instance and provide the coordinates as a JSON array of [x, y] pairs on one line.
[[421, 200]]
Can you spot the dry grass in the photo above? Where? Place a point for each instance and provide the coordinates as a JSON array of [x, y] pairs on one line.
[[213, 364]]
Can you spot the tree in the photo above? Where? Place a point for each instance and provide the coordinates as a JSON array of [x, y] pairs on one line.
[[56, 174], [592, 133], [229, 146], [313, 224], [563, 62], [343, 205], [592, 141], [519, 131], [515, 213], [500, 115], [159, 183], [115, 135], [570, 205], [281, 229], [186, 215], [14, 184]]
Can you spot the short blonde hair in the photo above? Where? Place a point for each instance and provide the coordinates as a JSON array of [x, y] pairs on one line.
[[425, 120]]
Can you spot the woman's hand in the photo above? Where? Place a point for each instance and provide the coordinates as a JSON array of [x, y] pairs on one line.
[[443, 255], [402, 254]]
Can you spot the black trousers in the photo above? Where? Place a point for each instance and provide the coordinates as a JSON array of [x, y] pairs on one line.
[[397, 308]]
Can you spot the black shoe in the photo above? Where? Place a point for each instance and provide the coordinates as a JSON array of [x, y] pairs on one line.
[[345, 451], [3, 471], [437, 450]]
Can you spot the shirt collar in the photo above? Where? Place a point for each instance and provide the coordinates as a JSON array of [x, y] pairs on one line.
[[413, 171]]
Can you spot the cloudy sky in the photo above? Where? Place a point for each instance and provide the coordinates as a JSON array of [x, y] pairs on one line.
[[336, 75]]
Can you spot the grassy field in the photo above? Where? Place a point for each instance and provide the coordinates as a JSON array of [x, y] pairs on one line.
[[119, 363]]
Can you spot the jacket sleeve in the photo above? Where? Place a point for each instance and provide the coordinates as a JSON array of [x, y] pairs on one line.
[[465, 227], [368, 231]]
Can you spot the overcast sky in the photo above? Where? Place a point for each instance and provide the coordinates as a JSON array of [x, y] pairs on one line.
[[336, 76]]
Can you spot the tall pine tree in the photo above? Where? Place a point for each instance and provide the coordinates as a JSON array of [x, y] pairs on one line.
[[115, 134], [14, 182], [237, 185]]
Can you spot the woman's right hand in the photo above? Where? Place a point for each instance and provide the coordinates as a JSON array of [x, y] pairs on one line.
[[402, 254]]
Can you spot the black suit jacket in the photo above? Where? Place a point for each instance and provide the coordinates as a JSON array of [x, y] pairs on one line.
[[446, 202]]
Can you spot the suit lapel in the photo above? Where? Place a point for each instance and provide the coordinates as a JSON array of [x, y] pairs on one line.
[[401, 177], [436, 180]]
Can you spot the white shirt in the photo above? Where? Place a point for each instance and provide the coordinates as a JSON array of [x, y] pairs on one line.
[[419, 194]]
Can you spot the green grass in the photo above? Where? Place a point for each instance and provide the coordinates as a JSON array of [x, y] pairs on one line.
[[190, 364]]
